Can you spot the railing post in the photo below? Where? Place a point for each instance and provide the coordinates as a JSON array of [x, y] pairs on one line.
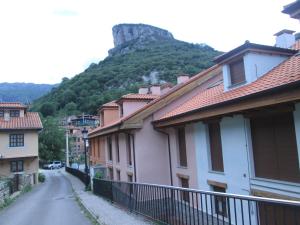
[[130, 196]]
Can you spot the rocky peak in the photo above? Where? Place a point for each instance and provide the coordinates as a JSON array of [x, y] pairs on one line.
[[123, 33], [129, 37]]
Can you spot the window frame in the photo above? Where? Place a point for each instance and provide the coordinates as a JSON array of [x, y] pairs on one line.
[[182, 150], [14, 113], [128, 149], [1, 113], [16, 140], [109, 148], [213, 150], [117, 148], [17, 165], [220, 199], [231, 74]]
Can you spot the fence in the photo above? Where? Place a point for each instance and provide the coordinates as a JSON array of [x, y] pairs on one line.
[[172, 205], [79, 174]]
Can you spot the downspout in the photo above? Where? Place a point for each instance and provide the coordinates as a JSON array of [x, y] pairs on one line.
[[169, 151], [133, 150]]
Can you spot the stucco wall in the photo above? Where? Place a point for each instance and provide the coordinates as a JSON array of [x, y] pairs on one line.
[[152, 160], [31, 167], [191, 170], [110, 115], [132, 106], [30, 147], [235, 157]]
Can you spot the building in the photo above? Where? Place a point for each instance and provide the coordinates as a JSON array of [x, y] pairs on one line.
[[293, 10], [19, 131], [245, 130], [74, 126]]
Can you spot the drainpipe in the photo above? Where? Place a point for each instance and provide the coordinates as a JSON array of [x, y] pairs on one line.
[[169, 151], [133, 149]]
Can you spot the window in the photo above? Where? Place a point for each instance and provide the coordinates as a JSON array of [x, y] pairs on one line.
[[109, 146], [1, 113], [118, 175], [111, 173], [274, 147], [216, 154], [16, 140], [184, 182], [182, 146], [14, 113], [220, 202], [129, 177], [128, 148], [16, 166], [117, 148], [237, 72]]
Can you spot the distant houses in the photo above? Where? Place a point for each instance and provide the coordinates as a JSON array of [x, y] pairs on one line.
[[19, 143]]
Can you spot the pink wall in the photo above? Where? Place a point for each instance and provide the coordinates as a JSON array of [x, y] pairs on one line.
[[191, 170], [110, 115], [152, 160], [132, 106]]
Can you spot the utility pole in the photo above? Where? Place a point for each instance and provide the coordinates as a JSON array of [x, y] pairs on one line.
[[67, 148]]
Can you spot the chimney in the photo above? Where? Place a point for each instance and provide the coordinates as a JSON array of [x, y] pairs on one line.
[[155, 90], [143, 90], [182, 79], [285, 38], [6, 116]]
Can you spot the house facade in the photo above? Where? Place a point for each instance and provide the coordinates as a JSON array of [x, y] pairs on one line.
[[245, 130], [19, 141]]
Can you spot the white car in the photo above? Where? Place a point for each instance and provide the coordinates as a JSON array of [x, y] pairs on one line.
[[53, 165]]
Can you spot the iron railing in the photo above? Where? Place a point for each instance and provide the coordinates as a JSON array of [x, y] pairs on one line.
[[181, 206], [85, 178]]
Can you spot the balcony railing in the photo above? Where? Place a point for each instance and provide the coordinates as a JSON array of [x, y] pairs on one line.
[[173, 205]]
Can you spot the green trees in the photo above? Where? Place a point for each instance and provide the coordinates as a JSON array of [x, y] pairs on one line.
[[123, 73], [51, 140], [47, 109]]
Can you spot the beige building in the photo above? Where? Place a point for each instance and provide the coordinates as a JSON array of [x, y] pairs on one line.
[[19, 142]]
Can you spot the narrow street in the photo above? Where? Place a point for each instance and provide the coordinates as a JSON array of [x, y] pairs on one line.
[[52, 202]]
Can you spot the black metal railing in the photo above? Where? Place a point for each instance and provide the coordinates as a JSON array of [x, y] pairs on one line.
[[173, 205], [85, 178]]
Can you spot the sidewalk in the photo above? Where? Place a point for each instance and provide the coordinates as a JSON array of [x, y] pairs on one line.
[[105, 212]]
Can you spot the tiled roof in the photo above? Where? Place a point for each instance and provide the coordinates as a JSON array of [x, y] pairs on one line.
[[110, 104], [12, 105], [106, 126], [285, 73], [140, 96], [31, 120]]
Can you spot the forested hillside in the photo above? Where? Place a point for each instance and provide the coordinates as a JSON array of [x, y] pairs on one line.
[[153, 61]]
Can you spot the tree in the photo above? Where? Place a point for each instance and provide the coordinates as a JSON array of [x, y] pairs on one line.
[[47, 109], [51, 140]]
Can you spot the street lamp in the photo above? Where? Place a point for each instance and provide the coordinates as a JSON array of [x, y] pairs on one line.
[[84, 135]]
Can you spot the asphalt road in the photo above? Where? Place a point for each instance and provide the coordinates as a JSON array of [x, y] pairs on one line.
[[50, 203]]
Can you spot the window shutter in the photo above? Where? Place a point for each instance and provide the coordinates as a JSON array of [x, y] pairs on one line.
[[215, 147], [182, 146], [237, 72]]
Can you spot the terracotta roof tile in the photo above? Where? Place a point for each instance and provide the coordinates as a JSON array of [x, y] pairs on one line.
[[110, 104], [12, 105], [285, 73], [31, 120], [140, 96]]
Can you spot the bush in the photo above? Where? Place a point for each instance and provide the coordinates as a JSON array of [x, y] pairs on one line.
[[98, 175], [41, 178]]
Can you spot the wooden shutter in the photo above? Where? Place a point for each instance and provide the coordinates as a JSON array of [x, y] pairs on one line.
[[215, 147], [182, 146], [117, 147], [274, 147], [237, 72], [128, 142]]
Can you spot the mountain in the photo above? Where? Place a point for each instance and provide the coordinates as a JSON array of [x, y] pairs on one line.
[[23, 92], [143, 54]]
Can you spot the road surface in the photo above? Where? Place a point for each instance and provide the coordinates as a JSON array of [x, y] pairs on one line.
[[50, 203]]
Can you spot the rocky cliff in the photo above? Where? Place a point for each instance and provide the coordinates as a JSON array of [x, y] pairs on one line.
[[128, 37]]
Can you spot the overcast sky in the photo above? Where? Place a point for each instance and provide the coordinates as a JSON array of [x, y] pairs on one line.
[[42, 41]]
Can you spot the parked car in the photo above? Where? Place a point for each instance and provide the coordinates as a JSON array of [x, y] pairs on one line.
[[53, 165]]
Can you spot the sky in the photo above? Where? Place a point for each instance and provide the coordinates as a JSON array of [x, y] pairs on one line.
[[42, 41]]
